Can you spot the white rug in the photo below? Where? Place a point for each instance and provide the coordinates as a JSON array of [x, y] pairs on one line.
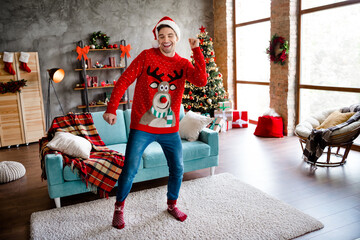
[[218, 207]]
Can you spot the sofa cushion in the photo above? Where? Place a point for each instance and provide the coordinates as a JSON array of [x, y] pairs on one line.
[[154, 156], [111, 134]]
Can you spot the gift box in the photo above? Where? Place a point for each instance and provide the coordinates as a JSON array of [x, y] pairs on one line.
[[269, 126], [227, 115], [225, 105], [228, 125], [217, 124], [240, 119]]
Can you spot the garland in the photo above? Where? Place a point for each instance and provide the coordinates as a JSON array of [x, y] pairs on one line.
[[103, 37], [12, 86], [277, 44]]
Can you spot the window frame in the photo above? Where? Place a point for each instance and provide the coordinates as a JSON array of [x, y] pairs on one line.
[[243, 81], [299, 85]]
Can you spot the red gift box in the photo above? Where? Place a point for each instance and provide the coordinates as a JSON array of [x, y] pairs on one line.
[[240, 119], [269, 126]]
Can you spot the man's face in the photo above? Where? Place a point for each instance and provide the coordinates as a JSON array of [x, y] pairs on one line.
[[167, 41]]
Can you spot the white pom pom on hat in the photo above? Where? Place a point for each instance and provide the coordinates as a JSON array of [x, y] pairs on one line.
[[165, 21]]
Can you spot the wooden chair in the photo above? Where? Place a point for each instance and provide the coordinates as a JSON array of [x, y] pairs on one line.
[[344, 140]]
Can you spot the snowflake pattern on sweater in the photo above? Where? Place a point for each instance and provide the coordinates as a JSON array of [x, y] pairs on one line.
[[159, 89]]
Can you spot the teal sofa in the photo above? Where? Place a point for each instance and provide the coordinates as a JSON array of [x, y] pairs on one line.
[[203, 153]]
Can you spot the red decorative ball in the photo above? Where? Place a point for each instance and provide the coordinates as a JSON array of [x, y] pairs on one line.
[[210, 39], [110, 46], [190, 92], [220, 75], [205, 96], [191, 98], [115, 46], [188, 107], [216, 94], [201, 104]]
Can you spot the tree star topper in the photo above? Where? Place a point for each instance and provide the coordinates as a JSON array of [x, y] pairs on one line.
[[202, 29]]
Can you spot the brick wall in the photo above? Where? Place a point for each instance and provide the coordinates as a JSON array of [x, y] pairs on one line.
[[283, 77], [223, 44]]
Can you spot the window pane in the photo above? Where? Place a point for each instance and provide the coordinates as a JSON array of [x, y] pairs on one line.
[[305, 4], [315, 101], [251, 59], [330, 47], [249, 10], [253, 98]]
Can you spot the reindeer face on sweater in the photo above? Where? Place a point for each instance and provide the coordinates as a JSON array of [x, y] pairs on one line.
[[160, 113]]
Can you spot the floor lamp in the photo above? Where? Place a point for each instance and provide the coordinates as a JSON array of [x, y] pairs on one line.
[[55, 75]]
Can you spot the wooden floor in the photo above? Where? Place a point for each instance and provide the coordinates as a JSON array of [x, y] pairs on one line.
[[331, 195]]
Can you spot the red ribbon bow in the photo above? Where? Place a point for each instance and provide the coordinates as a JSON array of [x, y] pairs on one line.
[[125, 50], [82, 52]]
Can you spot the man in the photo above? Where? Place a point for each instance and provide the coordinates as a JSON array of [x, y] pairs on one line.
[[161, 75]]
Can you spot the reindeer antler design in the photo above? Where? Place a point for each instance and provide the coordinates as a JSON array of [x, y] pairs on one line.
[[176, 77], [154, 75]]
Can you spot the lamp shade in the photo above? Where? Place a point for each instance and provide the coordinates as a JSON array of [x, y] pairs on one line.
[[56, 74]]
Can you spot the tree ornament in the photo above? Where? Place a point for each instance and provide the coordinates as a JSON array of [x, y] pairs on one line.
[[209, 101], [190, 92], [102, 37], [189, 107], [202, 29]]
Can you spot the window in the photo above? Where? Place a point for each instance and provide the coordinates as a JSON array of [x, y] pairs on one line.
[[252, 36], [330, 56]]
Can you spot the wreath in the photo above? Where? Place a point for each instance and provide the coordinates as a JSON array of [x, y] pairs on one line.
[[278, 49], [102, 37], [12, 86]]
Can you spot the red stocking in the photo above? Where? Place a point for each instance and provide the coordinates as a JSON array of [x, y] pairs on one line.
[[24, 59], [8, 59]]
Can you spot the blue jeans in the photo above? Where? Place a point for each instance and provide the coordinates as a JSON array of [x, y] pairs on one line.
[[137, 143]]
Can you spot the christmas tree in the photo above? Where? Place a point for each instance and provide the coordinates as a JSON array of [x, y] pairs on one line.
[[205, 99]]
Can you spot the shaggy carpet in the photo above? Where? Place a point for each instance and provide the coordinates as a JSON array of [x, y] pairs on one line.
[[218, 207]]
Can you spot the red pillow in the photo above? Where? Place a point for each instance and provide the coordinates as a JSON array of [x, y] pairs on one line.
[[269, 127]]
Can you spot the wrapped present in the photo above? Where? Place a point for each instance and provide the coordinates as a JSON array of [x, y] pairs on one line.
[[228, 125], [225, 105], [240, 119], [269, 126], [227, 115], [217, 124]]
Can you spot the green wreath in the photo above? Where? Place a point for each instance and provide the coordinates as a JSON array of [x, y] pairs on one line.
[[278, 50], [103, 38]]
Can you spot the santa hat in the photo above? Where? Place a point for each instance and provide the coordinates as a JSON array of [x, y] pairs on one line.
[[165, 21]]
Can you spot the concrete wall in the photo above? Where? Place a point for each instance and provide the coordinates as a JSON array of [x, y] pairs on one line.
[[53, 27]]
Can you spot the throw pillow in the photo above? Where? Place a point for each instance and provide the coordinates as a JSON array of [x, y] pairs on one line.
[[335, 118], [71, 145], [191, 125]]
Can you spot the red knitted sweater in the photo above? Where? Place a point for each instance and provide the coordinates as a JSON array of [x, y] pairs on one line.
[[159, 89]]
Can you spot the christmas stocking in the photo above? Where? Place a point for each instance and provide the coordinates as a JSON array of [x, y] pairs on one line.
[[8, 59], [24, 59]]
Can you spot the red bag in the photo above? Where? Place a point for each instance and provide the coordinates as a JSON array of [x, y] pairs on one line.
[[269, 126]]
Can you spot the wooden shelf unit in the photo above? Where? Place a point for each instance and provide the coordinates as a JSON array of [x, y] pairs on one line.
[[96, 69], [99, 105], [83, 69]]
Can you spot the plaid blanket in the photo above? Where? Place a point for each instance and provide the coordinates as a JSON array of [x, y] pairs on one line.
[[102, 170], [318, 139]]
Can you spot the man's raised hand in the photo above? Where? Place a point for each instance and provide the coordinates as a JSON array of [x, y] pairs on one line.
[[194, 42]]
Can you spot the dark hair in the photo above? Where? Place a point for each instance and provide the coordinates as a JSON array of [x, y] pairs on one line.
[[163, 26]]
